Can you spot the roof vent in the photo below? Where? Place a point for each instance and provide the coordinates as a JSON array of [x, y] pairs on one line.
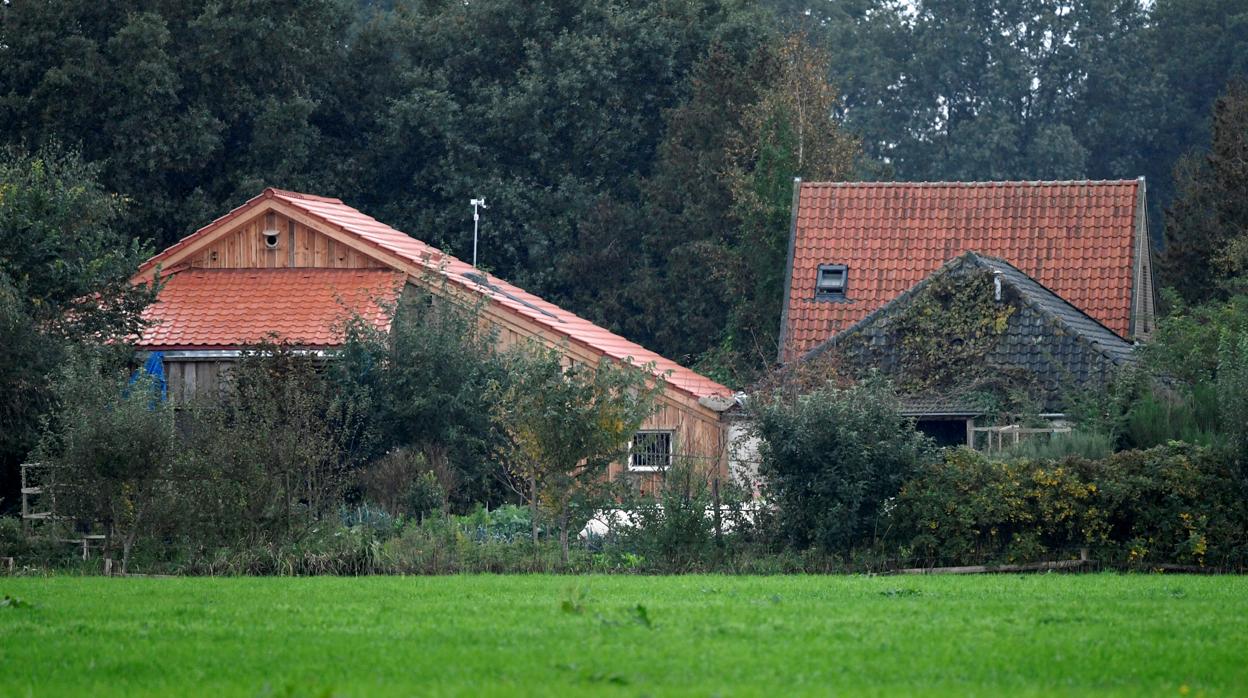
[[831, 281], [271, 234]]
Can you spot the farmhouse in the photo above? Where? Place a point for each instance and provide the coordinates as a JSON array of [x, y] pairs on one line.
[[965, 290], [855, 246], [973, 331], [291, 267]]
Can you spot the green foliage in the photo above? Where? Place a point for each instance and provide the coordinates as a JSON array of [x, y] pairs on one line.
[[1232, 392], [13, 541], [1187, 386], [271, 456], [944, 334], [64, 270], [1080, 442], [1206, 254], [676, 528], [1160, 415], [567, 424], [112, 448], [789, 132], [832, 459], [426, 386], [1171, 504]]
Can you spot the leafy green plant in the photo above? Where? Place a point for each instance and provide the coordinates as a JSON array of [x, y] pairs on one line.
[[1078, 442], [567, 424], [1171, 504], [113, 446], [832, 458]]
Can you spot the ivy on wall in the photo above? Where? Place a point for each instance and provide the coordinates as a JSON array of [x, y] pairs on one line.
[[940, 337]]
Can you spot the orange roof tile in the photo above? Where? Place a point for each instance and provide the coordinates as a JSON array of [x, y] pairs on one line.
[[1076, 238], [234, 308], [371, 233]]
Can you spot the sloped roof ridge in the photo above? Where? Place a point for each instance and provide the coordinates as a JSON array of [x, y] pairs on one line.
[[970, 184], [1108, 341], [986, 262], [270, 192]]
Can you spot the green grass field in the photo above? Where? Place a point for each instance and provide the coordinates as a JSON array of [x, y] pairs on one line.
[[630, 636]]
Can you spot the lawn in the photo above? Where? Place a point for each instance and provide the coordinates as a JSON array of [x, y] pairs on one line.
[[631, 636]]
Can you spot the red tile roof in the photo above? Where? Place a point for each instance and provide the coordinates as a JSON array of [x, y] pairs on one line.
[[234, 308], [371, 233], [1075, 238]]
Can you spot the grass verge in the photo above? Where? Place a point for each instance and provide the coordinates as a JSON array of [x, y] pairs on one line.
[[625, 635]]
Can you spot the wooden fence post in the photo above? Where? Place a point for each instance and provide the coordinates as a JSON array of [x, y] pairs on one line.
[[719, 516]]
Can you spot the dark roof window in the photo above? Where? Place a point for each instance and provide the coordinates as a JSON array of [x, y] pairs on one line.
[[831, 281]]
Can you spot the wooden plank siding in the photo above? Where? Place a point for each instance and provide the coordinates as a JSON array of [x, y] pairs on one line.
[[297, 246], [187, 378]]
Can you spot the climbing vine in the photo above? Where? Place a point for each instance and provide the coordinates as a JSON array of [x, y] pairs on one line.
[[941, 336]]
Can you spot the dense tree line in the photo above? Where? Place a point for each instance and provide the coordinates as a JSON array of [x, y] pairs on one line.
[[635, 155]]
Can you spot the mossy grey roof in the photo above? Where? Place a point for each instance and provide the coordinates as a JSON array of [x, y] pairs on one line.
[[1050, 339]]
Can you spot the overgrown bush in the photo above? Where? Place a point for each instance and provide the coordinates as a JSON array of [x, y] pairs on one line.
[[426, 385], [112, 448], [1085, 443], [269, 457], [403, 484], [676, 528], [831, 461], [1176, 504]]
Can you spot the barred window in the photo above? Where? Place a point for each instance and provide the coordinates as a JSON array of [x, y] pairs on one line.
[[650, 450]]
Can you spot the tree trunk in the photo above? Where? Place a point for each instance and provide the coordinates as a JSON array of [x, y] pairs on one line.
[[125, 552], [563, 536], [533, 506]]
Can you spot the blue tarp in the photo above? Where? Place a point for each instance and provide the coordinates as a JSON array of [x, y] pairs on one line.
[[154, 367]]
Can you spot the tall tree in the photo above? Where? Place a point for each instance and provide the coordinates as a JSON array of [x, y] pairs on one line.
[[1206, 253], [64, 271], [791, 131]]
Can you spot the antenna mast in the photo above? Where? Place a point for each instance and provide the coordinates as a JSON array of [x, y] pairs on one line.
[[476, 218]]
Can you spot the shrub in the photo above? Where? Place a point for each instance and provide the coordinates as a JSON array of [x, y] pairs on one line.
[[674, 528], [1232, 391], [971, 509], [1082, 443], [427, 386], [112, 446], [566, 425], [831, 459], [403, 484], [269, 457], [1173, 504], [1174, 413], [1176, 504]]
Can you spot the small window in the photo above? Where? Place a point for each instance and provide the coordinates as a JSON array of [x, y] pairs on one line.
[[650, 451], [831, 281]]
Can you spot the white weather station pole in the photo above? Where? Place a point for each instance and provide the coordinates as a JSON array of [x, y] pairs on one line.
[[476, 219]]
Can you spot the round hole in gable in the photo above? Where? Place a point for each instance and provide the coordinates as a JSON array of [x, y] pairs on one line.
[[270, 240]]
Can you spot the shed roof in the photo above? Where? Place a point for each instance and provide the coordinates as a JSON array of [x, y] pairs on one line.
[[1076, 238], [235, 308]]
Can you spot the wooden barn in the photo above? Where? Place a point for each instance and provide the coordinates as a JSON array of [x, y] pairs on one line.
[[291, 267]]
